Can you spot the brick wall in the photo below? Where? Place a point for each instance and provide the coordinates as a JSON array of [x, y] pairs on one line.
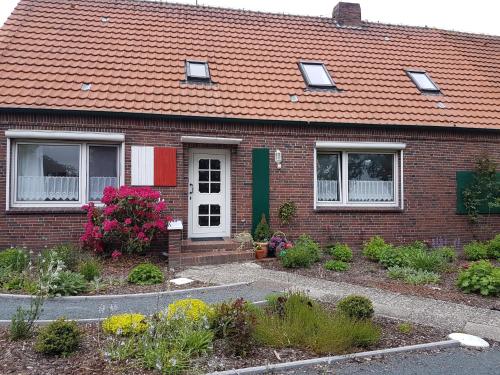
[[431, 159]]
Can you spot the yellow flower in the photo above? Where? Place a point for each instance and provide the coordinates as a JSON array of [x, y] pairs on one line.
[[190, 308], [125, 324]]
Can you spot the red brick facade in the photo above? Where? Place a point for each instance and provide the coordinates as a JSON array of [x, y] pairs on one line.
[[431, 159]]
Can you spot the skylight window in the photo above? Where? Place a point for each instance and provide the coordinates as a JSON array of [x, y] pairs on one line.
[[197, 70], [422, 80], [316, 75]]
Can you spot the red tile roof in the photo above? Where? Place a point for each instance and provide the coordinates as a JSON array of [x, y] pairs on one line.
[[135, 63]]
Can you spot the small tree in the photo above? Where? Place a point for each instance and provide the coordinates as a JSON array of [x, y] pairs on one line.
[[262, 232]]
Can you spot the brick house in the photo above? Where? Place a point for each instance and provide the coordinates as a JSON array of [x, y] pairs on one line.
[[230, 113]]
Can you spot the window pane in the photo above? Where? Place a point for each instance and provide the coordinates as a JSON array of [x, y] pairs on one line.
[[103, 170], [203, 176], [215, 188], [327, 170], [48, 172], [317, 75], [371, 177], [422, 81], [203, 164], [203, 188], [203, 221], [203, 209], [215, 164], [197, 70], [214, 221]]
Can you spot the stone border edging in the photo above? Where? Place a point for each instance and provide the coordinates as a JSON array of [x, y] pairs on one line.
[[103, 296], [337, 358]]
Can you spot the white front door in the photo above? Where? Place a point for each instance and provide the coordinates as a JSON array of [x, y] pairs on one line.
[[209, 193]]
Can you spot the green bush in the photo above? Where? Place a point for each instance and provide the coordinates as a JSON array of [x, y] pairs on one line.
[[373, 248], [336, 265], [67, 283], [341, 252], [480, 277], [68, 254], [447, 253], [476, 250], [307, 325], [493, 247], [61, 337], [145, 274], [356, 307], [14, 259], [234, 322], [262, 231], [413, 276], [415, 255], [90, 269], [304, 253]]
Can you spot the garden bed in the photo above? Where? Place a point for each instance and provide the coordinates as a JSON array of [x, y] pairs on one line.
[[370, 274], [19, 357]]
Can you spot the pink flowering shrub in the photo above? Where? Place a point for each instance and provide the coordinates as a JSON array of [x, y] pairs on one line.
[[128, 222]]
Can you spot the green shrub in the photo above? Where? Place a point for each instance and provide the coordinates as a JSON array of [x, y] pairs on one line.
[[405, 328], [480, 277], [476, 250], [336, 265], [19, 281], [374, 247], [262, 231], [145, 274], [304, 253], [90, 269], [493, 248], [413, 276], [234, 322], [14, 259], [341, 252], [23, 320], [307, 325], [447, 253], [68, 254], [67, 283], [61, 337], [356, 307], [415, 255]]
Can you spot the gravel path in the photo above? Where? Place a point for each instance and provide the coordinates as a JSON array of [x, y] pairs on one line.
[[426, 311], [457, 361], [99, 307]]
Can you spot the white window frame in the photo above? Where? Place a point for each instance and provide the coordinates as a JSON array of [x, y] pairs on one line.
[[346, 148], [68, 138]]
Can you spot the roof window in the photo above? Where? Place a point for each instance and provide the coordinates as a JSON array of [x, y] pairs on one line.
[[86, 86], [316, 75], [422, 80], [197, 71]]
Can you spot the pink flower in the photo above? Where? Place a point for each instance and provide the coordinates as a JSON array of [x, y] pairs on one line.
[[110, 209], [116, 254], [110, 225], [141, 235], [128, 221]]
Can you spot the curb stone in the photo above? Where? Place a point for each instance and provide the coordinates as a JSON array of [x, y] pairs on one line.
[[338, 358]]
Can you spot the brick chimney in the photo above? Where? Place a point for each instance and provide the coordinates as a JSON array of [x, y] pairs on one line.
[[347, 14]]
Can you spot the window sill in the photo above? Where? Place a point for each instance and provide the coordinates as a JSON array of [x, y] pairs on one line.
[[358, 209], [44, 210]]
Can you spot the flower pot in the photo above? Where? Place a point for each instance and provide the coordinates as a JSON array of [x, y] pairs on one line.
[[262, 251]]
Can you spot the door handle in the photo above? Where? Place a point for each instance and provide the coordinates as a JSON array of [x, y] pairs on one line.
[[190, 188]]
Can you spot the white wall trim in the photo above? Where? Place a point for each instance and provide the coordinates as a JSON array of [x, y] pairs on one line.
[[77, 136], [340, 146], [211, 140]]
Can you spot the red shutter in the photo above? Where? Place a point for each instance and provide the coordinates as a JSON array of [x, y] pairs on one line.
[[165, 166]]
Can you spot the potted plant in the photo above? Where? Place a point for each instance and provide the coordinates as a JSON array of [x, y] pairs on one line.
[[277, 244], [262, 233], [260, 252]]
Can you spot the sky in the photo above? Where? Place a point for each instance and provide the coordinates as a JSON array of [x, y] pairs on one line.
[[476, 16]]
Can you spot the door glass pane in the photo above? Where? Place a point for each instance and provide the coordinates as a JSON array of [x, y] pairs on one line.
[[214, 209], [203, 175], [215, 164], [215, 176], [48, 172], [203, 164], [203, 209], [214, 221], [215, 188], [103, 170], [203, 221], [327, 171], [371, 177], [203, 188]]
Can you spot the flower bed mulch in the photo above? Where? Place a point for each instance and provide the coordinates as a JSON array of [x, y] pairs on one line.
[[19, 357], [370, 274]]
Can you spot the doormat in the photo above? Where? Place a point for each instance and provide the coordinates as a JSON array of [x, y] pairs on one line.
[[207, 239]]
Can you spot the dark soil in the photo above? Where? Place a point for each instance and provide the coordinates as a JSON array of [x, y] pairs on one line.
[[19, 357], [370, 274]]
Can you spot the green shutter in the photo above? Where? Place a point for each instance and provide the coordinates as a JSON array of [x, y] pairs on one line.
[[464, 179], [260, 185]]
